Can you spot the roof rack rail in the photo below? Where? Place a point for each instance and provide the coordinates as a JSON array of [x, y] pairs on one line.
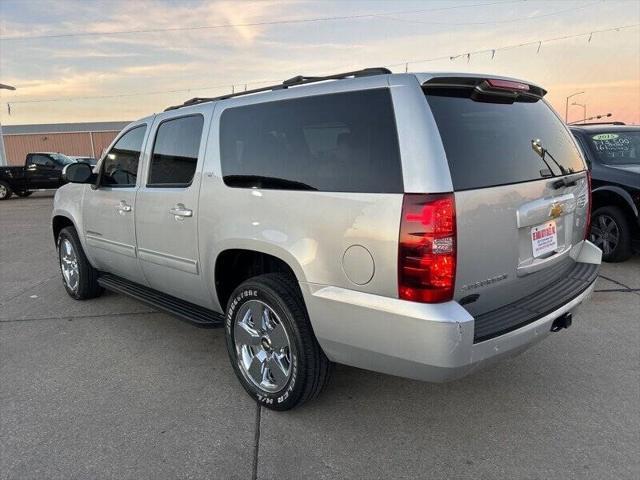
[[294, 81], [575, 124]]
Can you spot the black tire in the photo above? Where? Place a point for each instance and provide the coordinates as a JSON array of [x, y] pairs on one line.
[[23, 194], [5, 191], [611, 232], [86, 285], [308, 365]]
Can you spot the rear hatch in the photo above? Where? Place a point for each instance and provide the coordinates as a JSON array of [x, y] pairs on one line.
[[520, 188]]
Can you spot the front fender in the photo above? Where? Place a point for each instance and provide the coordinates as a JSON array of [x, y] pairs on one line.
[[67, 203]]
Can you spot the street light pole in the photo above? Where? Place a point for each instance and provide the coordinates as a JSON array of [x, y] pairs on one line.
[[584, 110], [566, 106], [3, 156]]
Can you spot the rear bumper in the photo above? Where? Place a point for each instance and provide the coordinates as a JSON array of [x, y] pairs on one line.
[[430, 342]]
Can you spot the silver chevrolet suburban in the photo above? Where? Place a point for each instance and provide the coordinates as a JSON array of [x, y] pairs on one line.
[[420, 225]]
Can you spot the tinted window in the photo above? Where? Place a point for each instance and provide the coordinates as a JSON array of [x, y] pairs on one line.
[[344, 142], [490, 144], [175, 152], [60, 159], [120, 166], [41, 160], [616, 148]]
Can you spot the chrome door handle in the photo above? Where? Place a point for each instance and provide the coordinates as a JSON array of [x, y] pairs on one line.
[[181, 211], [123, 207]]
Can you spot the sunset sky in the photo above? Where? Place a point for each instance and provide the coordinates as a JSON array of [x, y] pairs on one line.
[[71, 60]]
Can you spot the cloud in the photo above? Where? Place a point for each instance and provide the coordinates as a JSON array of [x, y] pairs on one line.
[[114, 64], [87, 53]]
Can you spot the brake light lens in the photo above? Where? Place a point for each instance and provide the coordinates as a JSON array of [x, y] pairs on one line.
[[507, 84], [427, 248], [588, 223]]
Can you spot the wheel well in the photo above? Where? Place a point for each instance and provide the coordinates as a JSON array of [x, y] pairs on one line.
[[59, 222], [235, 266], [605, 198]]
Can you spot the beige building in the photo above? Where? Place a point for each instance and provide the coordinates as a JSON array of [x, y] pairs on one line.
[[81, 139]]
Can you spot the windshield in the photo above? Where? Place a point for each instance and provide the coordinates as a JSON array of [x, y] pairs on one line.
[[62, 159], [489, 144], [619, 148]]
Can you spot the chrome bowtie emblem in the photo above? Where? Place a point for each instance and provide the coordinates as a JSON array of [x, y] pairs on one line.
[[556, 210]]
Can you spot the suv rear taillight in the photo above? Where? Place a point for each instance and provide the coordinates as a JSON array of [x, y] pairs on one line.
[[427, 248], [588, 223]]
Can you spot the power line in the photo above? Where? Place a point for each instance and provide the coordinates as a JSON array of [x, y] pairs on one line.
[[249, 24], [404, 63], [510, 47], [137, 94], [493, 22]]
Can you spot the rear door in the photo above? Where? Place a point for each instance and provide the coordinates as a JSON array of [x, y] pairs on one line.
[[521, 193], [167, 206]]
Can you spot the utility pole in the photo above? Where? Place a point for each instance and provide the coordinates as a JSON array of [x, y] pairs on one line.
[[3, 156], [595, 117], [566, 106]]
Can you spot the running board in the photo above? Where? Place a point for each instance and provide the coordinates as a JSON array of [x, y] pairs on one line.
[[199, 316]]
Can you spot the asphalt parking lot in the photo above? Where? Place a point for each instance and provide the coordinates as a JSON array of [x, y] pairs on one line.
[[110, 388]]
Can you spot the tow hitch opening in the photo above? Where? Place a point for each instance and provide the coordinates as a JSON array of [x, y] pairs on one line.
[[561, 322]]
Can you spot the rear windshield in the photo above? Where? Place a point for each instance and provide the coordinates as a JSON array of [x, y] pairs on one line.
[[617, 148], [489, 144]]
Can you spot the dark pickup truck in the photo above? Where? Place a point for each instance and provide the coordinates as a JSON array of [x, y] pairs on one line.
[[42, 170]]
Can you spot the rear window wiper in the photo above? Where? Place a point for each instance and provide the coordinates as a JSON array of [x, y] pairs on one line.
[[537, 147]]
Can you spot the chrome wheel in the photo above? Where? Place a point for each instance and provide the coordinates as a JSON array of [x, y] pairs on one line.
[[3, 191], [262, 345], [605, 233], [69, 265]]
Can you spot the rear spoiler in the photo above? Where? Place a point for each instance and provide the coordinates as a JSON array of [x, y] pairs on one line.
[[493, 89]]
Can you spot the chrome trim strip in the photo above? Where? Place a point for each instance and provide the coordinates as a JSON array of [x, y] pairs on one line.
[[537, 211], [97, 241], [167, 260]]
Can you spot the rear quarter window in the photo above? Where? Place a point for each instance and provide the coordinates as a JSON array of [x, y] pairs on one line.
[[489, 144], [342, 142]]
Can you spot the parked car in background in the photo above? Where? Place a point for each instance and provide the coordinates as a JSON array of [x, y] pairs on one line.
[[613, 155], [41, 171], [421, 225], [90, 160]]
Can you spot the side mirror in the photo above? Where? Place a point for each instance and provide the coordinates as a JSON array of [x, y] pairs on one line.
[[78, 173]]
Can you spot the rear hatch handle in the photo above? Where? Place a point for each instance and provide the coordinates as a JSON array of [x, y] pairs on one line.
[[568, 181]]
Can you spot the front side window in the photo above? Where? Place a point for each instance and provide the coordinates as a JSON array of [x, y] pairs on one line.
[[341, 142], [41, 160], [175, 152], [120, 166]]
